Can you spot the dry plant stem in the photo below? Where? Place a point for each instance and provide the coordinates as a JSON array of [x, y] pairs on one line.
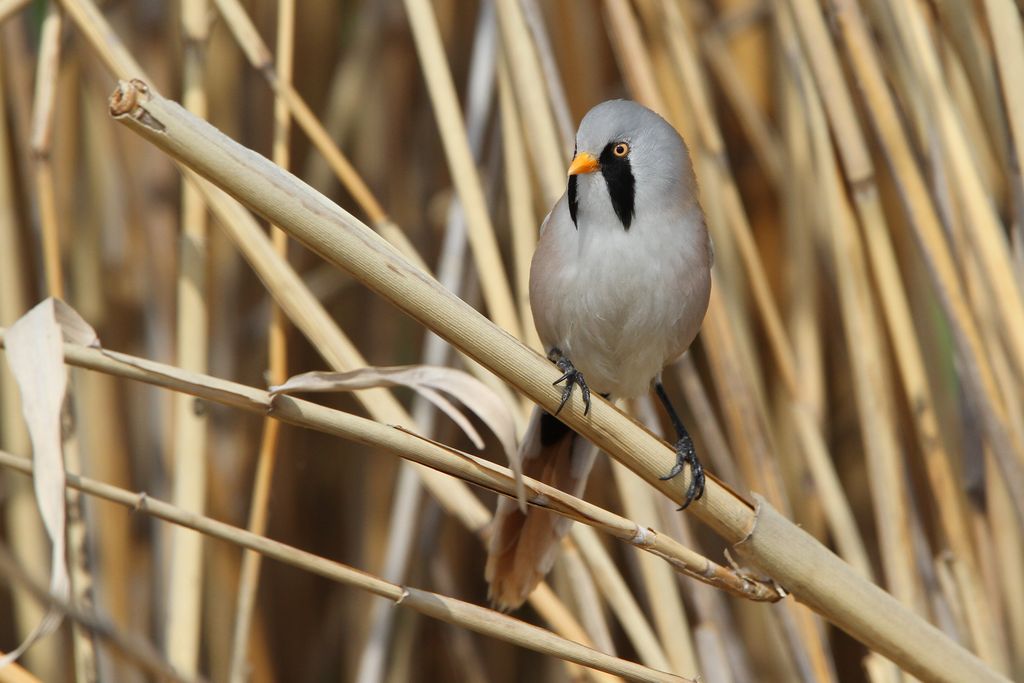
[[977, 370], [662, 589], [743, 414], [463, 648], [489, 266], [1008, 43], [802, 232], [918, 394], [99, 34], [711, 138], [988, 234], [248, 578], [837, 507], [965, 28], [43, 113], [115, 548], [633, 60], [745, 418], [986, 640], [528, 81], [706, 420], [43, 105], [86, 666], [618, 596], [545, 56], [9, 7], [305, 311], [810, 645], [873, 392], [479, 619], [403, 525], [260, 58], [418, 449], [20, 85], [816, 577], [347, 88], [277, 354], [709, 615], [325, 332], [520, 200], [1008, 549], [891, 515], [981, 592], [873, 396], [14, 673], [970, 348], [878, 670], [553, 611], [405, 521], [23, 529], [897, 310], [587, 601], [713, 656], [763, 140], [838, 513], [142, 653], [185, 549], [666, 76]]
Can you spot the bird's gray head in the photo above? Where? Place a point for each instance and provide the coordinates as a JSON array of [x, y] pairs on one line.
[[628, 160]]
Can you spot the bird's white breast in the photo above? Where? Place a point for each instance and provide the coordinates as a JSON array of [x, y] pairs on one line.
[[620, 304]]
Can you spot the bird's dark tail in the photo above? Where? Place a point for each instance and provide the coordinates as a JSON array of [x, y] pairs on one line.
[[523, 546]]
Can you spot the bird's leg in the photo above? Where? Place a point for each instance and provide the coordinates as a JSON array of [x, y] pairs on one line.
[[572, 377], [685, 453]]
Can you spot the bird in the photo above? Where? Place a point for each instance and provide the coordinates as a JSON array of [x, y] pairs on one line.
[[619, 285]]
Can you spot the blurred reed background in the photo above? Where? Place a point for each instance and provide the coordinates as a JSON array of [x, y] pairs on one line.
[[861, 365]]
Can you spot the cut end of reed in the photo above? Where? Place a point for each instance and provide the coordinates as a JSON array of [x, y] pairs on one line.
[[127, 100]]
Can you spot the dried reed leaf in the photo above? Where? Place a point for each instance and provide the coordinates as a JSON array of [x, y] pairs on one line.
[[73, 328], [35, 354], [428, 381]]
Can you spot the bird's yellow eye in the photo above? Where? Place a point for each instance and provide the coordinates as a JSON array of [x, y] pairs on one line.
[[621, 149]]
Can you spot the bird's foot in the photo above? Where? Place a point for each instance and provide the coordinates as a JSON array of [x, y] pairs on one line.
[[572, 378], [687, 455]]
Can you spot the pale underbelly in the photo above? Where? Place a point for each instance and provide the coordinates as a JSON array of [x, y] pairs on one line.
[[621, 337]]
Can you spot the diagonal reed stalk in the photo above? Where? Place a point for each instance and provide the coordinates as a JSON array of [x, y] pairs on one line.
[[419, 449], [464, 614]]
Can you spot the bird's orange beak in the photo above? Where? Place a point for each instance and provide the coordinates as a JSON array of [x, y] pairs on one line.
[[584, 162]]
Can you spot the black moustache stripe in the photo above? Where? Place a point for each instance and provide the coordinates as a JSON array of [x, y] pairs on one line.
[[574, 201], [621, 185]]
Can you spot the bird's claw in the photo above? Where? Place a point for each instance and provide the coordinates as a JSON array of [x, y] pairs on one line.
[[687, 455], [572, 378]]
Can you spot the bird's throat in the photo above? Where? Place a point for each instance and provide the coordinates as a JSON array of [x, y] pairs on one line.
[[620, 184]]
